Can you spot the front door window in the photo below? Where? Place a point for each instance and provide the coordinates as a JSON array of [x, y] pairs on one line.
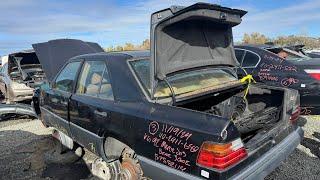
[[65, 80]]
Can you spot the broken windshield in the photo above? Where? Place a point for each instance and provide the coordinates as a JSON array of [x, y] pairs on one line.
[[183, 82]]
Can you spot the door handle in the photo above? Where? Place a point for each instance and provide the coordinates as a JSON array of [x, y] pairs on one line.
[[101, 113]]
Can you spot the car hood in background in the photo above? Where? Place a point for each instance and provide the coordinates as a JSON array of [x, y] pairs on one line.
[[195, 36], [55, 53]]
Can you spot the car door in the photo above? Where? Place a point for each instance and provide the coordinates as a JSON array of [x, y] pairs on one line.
[[92, 103], [56, 98]]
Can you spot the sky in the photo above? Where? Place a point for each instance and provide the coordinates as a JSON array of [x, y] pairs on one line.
[[115, 22]]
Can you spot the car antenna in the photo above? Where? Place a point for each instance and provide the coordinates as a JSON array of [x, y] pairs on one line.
[[173, 95]]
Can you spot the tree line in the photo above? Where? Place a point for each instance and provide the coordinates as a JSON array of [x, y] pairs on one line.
[[130, 47], [257, 38]]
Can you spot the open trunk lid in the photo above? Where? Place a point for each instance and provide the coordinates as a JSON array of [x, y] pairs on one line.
[[195, 36]]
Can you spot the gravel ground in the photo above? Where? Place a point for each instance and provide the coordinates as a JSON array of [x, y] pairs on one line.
[[27, 150], [25, 146]]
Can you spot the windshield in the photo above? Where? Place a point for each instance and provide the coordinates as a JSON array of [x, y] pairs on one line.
[[183, 82]]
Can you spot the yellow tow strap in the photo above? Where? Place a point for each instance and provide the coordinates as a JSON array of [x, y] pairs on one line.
[[247, 79]]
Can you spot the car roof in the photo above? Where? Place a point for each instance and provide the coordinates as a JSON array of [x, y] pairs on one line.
[[124, 54]]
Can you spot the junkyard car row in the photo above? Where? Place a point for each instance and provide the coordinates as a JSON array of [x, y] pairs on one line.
[[186, 109]]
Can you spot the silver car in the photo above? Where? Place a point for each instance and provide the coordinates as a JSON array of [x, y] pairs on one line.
[[20, 73]]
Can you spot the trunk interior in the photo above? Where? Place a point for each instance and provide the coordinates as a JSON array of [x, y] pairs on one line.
[[259, 111]]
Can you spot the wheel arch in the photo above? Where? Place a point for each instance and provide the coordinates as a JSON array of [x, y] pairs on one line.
[[113, 148]]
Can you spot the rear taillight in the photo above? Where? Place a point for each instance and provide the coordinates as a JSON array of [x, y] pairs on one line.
[[295, 115], [314, 73], [221, 156]]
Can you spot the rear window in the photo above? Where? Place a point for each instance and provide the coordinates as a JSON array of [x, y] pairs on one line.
[[239, 55], [250, 59], [183, 82]]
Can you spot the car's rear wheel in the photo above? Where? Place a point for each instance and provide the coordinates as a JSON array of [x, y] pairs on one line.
[[127, 167]]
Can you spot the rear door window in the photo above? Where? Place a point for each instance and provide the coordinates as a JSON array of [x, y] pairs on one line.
[[94, 80], [250, 59], [106, 89], [66, 78]]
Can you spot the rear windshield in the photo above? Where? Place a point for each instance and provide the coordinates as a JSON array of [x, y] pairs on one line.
[[183, 82]]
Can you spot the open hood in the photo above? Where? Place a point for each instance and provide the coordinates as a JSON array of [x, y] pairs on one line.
[[55, 53], [18, 59], [191, 37]]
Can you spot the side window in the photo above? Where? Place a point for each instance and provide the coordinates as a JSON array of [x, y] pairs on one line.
[[94, 80], [106, 89], [250, 59], [239, 55], [65, 80], [90, 78]]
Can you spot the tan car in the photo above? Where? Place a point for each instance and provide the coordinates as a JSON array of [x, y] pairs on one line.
[[20, 73]]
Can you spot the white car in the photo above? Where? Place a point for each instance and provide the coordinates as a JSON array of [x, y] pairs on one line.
[[20, 73]]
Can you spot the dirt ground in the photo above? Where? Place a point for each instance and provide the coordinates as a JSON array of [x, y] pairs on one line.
[[26, 148]]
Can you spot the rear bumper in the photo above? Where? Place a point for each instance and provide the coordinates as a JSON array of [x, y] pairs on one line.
[[257, 170], [273, 158], [22, 94]]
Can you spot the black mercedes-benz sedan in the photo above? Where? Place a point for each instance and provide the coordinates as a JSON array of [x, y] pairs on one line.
[[283, 67], [177, 111]]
